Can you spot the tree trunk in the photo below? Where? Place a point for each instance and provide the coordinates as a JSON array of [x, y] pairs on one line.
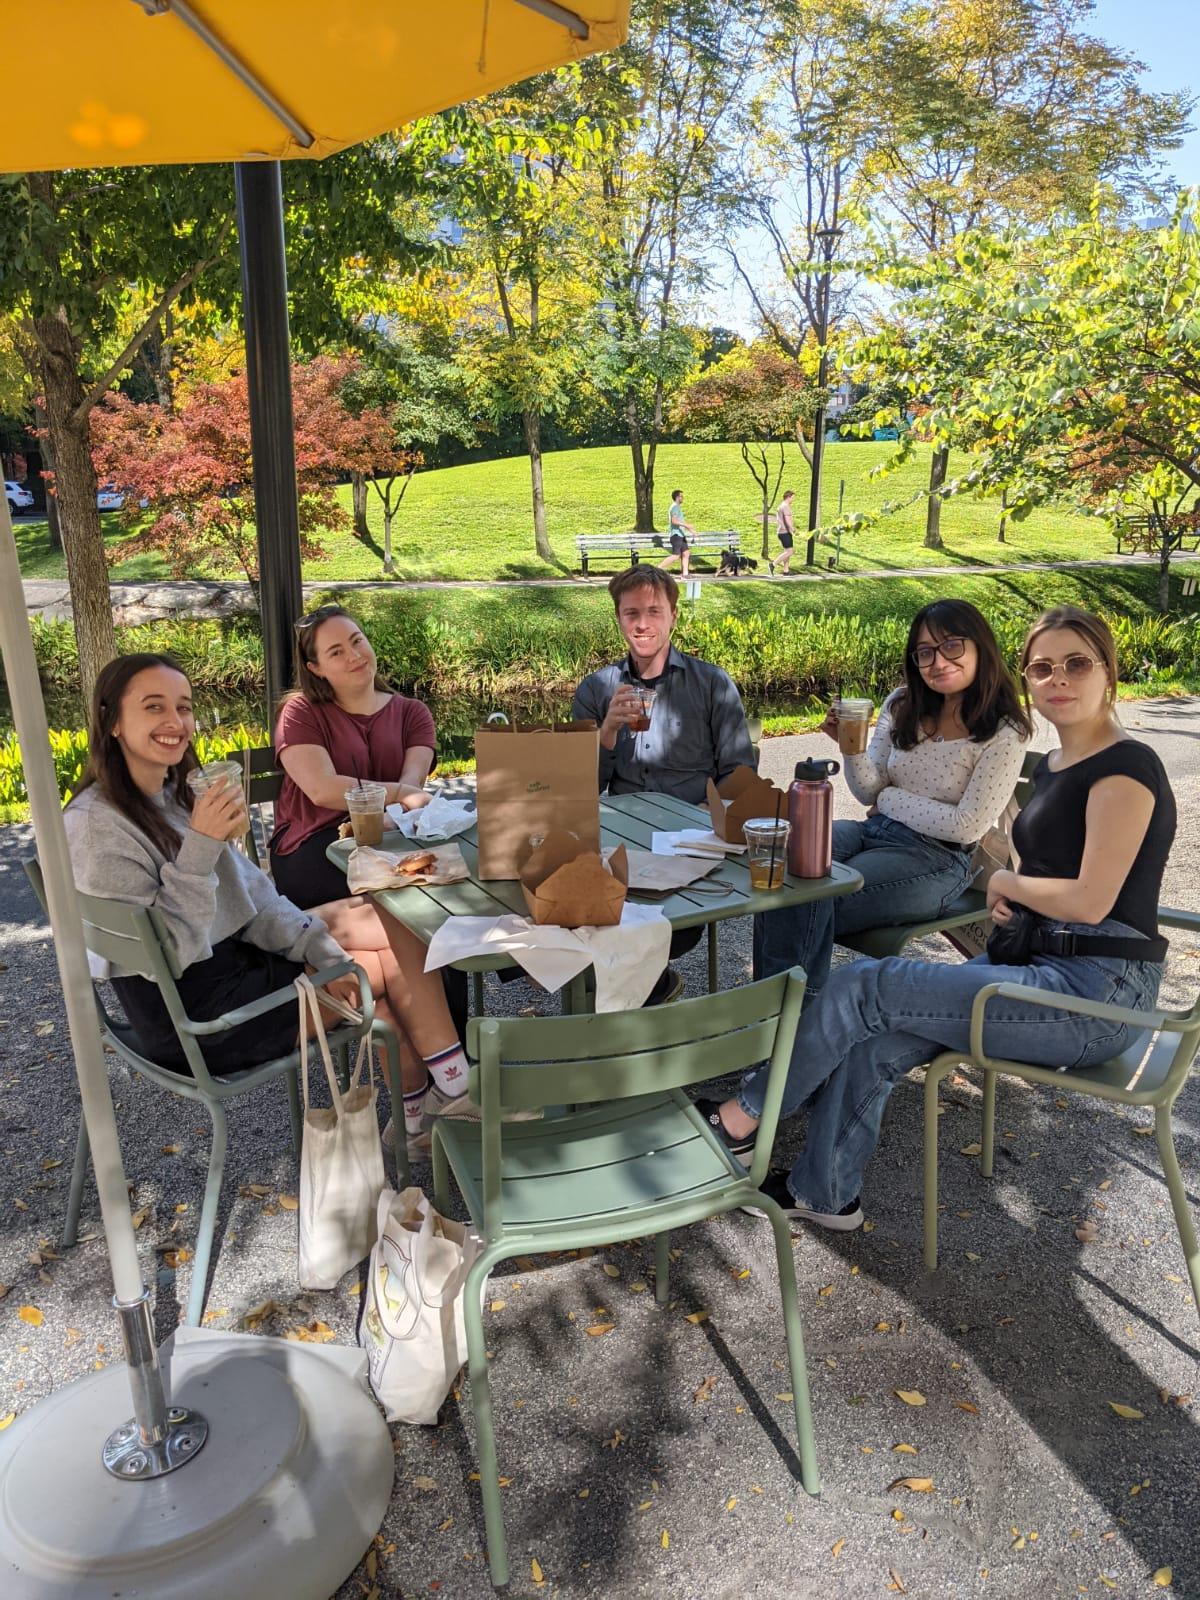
[[387, 541], [43, 426], [1003, 516], [1164, 569], [75, 484], [531, 426], [933, 506], [358, 499], [643, 471], [766, 521]]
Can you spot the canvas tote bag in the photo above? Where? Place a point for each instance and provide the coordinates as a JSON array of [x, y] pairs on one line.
[[412, 1327], [530, 780], [341, 1160]]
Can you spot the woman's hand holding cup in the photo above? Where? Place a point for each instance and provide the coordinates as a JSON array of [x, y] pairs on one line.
[[219, 811]]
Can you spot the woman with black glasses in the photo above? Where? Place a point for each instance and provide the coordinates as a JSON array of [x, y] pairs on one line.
[[941, 766], [1076, 919]]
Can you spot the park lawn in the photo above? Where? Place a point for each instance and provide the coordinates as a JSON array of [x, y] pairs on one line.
[[475, 521]]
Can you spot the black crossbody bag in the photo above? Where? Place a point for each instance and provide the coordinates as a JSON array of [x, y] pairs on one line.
[[1028, 934]]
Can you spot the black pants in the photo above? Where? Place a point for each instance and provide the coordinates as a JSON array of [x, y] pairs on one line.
[[308, 878]]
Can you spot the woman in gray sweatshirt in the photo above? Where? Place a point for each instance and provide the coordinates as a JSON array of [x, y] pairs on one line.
[[136, 835]]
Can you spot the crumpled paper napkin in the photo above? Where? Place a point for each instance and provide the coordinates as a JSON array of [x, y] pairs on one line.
[[440, 819], [628, 958]]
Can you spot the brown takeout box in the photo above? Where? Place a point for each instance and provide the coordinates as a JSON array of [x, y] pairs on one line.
[[739, 797], [566, 885]]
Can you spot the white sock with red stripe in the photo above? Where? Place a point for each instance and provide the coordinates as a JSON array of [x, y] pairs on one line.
[[413, 1103], [448, 1068]]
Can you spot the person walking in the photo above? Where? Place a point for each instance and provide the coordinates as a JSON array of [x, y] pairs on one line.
[[678, 530], [785, 532]]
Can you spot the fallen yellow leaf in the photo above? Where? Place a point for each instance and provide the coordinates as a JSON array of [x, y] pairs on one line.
[[1130, 1413], [170, 1150], [911, 1397], [826, 1290], [4, 1421], [665, 1541], [786, 1395], [424, 1483], [599, 1329], [289, 1202], [965, 1405], [638, 1287], [836, 1549], [697, 1317], [1161, 1579], [729, 1504], [610, 1271], [905, 1449], [497, 1305], [535, 1569], [744, 1273], [583, 1494], [917, 1485], [31, 1315], [897, 1582], [970, 1149]]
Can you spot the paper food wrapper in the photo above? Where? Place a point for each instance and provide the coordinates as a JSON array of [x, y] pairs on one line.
[[567, 885], [369, 869], [661, 874], [738, 798], [442, 818]]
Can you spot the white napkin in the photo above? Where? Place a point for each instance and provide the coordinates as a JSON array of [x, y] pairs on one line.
[[693, 842], [628, 958], [440, 819]]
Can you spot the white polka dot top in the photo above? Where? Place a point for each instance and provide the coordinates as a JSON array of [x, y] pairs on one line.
[[950, 789]]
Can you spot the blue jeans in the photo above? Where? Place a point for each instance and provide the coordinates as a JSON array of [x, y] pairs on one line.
[[875, 1020], [906, 878]]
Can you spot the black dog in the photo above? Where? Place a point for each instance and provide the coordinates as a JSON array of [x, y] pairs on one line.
[[732, 564]]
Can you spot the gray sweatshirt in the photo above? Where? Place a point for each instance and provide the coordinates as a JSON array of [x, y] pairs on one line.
[[208, 893]]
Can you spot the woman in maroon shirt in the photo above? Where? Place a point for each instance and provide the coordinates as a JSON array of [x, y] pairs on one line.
[[341, 726]]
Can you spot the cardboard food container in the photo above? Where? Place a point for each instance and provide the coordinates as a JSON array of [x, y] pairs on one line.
[[566, 885], [738, 798]]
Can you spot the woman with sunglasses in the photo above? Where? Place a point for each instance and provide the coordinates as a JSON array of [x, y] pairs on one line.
[[1076, 918], [941, 766]]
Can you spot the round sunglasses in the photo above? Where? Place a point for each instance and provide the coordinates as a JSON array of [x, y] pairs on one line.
[[1075, 666]]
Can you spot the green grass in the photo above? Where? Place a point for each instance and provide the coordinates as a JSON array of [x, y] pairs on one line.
[[475, 521]]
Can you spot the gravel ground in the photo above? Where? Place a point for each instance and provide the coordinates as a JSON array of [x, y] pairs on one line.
[[622, 1483]]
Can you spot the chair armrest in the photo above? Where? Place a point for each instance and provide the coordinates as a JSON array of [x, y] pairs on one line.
[[1179, 919], [1028, 995], [283, 997]]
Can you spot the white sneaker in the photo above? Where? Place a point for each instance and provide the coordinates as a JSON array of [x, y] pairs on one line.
[[416, 1144], [461, 1108]]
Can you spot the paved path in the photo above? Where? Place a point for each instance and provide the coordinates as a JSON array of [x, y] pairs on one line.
[[1018, 1344], [199, 597]]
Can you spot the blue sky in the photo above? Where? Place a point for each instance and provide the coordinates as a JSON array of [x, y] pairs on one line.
[[1165, 35]]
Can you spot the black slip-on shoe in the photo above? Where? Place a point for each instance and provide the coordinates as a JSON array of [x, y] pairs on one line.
[[710, 1110], [774, 1186]]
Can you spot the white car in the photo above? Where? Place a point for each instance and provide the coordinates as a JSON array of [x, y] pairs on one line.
[[109, 498], [19, 499]]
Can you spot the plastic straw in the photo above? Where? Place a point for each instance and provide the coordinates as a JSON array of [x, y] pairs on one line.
[[774, 842]]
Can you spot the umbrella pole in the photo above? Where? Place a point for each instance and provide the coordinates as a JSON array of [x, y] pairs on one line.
[[296, 1474], [154, 1442]]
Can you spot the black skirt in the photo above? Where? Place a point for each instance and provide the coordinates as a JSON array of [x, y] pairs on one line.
[[235, 974], [306, 876]]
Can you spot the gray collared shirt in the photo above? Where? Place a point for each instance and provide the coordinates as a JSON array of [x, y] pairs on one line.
[[698, 730]]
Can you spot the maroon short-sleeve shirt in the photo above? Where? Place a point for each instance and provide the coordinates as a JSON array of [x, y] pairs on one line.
[[373, 747]]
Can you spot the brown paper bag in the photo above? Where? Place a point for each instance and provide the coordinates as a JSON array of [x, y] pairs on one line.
[[529, 781]]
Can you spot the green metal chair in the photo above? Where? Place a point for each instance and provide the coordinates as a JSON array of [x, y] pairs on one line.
[[632, 1157], [262, 782], [971, 905], [134, 938], [1141, 1076]]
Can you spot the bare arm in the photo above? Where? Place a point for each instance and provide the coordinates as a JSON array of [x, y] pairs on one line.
[[310, 768], [1118, 813]]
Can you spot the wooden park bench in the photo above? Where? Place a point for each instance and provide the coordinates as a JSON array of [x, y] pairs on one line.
[[1133, 531], [618, 546]]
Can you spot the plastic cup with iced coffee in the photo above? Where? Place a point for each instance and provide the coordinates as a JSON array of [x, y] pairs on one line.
[[646, 697], [212, 774], [365, 803], [767, 841], [854, 725]]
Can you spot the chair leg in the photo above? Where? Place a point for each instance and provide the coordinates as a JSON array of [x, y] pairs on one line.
[[391, 1055], [662, 1268], [934, 1073], [293, 1096], [810, 1474], [441, 1171], [1178, 1192], [481, 1405], [75, 1196], [987, 1134], [714, 974], [208, 1214]]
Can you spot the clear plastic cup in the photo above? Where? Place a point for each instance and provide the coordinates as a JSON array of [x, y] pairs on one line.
[[767, 842], [365, 803], [854, 725], [641, 723], [212, 773]]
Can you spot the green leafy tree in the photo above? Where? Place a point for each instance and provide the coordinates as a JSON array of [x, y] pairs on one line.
[[758, 398]]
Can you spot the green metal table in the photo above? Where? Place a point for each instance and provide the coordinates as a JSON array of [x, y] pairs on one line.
[[628, 819]]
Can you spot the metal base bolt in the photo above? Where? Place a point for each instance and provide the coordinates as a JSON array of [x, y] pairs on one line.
[[127, 1455]]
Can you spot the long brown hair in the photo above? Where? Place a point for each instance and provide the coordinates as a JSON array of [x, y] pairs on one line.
[[310, 684], [107, 768], [987, 702], [1090, 627]]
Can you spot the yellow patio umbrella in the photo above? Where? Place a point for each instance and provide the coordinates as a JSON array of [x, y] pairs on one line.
[[132, 82], [285, 1465]]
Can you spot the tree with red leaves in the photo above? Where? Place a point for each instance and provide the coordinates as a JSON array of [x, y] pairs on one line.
[[187, 476]]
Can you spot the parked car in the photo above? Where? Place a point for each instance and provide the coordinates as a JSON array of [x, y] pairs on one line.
[[18, 497], [109, 498]]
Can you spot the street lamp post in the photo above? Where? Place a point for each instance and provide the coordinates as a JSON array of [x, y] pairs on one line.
[[828, 238]]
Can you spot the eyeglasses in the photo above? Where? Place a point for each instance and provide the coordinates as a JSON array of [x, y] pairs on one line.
[[926, 654], [1075, 666], [321, 614]]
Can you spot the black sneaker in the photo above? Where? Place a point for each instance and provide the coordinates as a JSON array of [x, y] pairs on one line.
[[710, 1110], [774, 1186], [669, 987]]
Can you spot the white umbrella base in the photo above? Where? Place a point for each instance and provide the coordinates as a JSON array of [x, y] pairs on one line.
[[279, 1503]]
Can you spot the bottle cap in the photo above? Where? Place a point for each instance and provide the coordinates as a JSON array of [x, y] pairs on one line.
[[811, 771]]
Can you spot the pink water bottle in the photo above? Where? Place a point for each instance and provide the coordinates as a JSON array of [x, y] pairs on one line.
[[810, 812]]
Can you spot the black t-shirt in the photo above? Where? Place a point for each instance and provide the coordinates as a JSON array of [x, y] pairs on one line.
[[1049, 833]]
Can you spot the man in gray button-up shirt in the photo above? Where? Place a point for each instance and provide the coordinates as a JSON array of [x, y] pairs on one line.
[[698, 726]]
